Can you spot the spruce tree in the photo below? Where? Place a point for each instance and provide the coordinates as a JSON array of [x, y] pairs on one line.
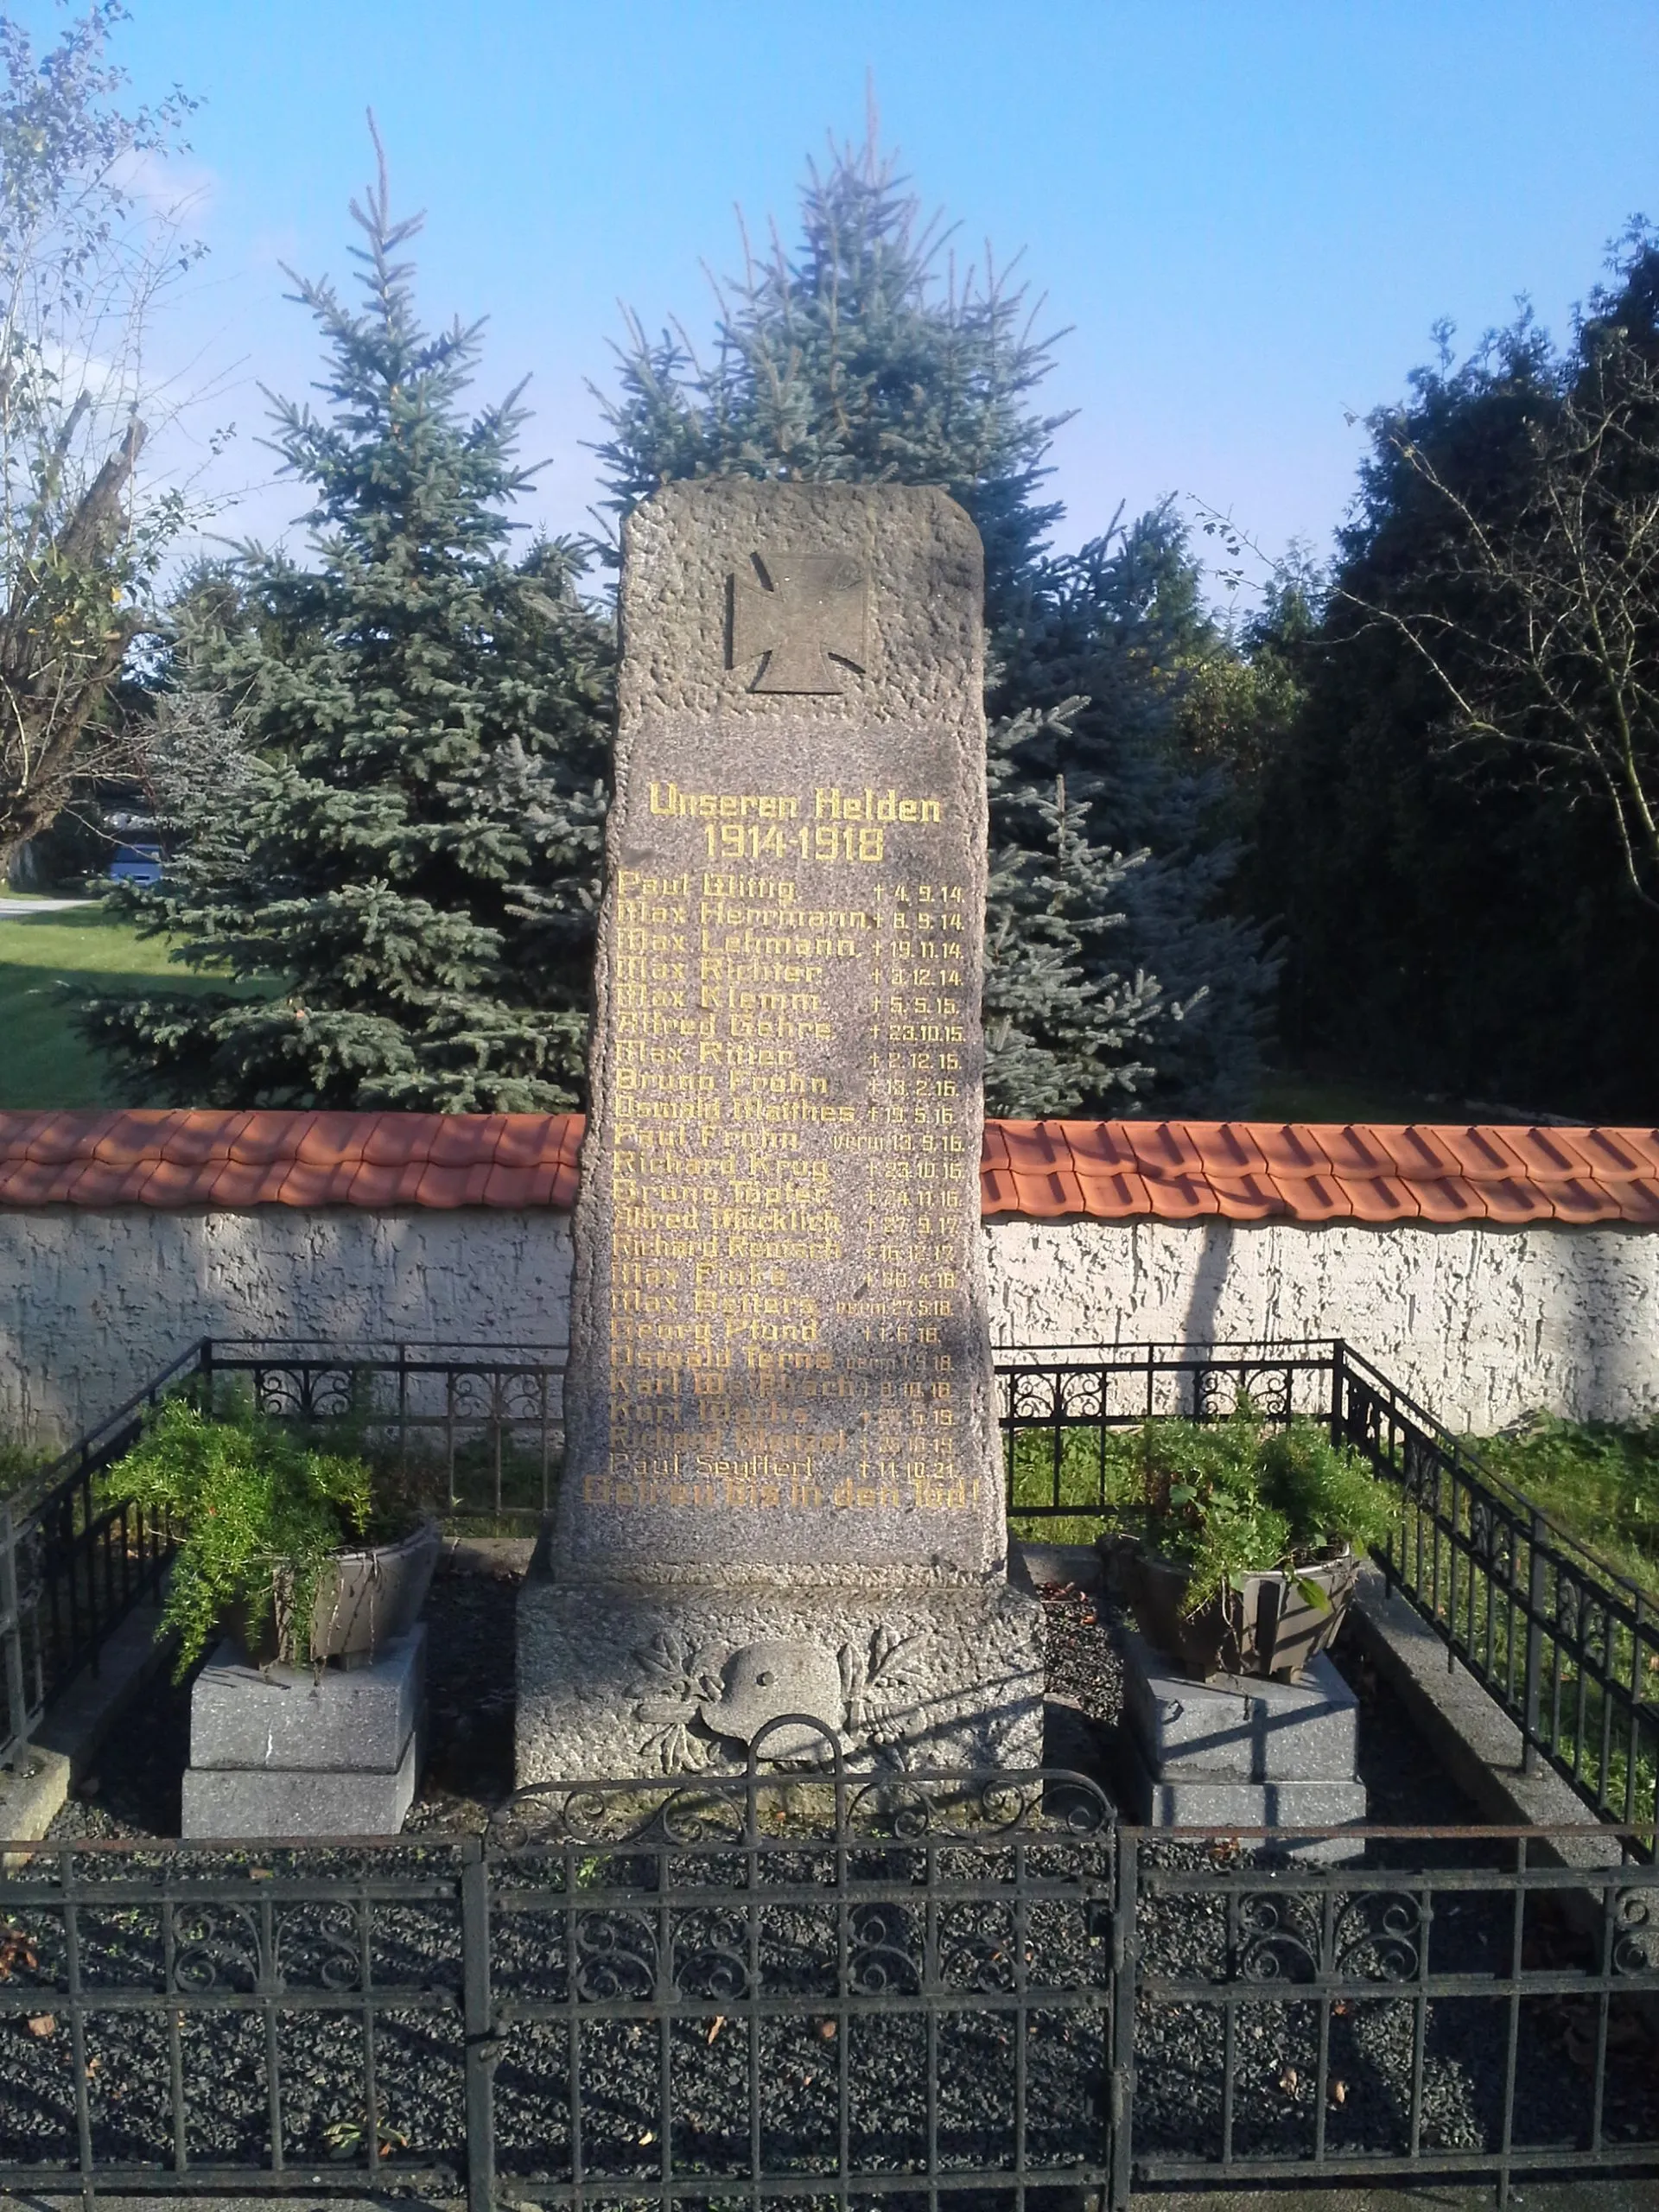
[[1119, 631], [865, 356], [404, 895]]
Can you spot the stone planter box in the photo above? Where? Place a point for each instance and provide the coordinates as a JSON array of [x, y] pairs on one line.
[[365, 1600], [1268, 1628]]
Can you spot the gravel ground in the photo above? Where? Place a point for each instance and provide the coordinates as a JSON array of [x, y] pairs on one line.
[[786, 2075]]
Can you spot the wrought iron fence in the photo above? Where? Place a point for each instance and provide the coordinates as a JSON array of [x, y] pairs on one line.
[[815, 1988], [1059, 1405], [73, 1564], [475, 1429], [1458, 2007], [22, 1688], [760, 1988], [1567, 1644]]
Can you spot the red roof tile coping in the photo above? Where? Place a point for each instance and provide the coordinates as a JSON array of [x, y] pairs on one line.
[[1034, 1171]]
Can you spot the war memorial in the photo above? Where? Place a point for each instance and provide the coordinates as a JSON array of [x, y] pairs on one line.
[[782, 1495]]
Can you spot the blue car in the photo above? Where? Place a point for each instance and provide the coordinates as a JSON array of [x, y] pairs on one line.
[[136, 864]]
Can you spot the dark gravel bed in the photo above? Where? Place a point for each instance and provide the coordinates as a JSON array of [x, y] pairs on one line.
[[789, 2075]]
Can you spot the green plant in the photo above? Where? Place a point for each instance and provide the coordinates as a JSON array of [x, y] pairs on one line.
[[1600, 1479], [17, 1463], [257, 1510], [1230, 1499]]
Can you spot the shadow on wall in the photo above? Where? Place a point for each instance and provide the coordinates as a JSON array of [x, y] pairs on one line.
[[1609, 1368], [1210, 1279]]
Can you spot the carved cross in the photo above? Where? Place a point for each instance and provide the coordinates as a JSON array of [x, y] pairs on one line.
[[798, 613]]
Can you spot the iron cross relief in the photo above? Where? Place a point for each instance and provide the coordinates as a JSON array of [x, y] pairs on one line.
[[798, 614]]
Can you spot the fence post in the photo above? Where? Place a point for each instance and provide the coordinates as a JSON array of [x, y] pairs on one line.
[[1126, 1960], [1531, 1685], [11, 1608], [1337, 1349], [479, 2026]]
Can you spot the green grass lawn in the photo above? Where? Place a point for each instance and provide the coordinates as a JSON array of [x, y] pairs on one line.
[[44, 1061], [1599, 1479]]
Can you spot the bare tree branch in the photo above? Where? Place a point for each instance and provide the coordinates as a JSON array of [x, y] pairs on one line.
[[1536, 615]]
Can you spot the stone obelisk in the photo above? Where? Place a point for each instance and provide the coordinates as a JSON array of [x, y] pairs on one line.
[[782, 1492]]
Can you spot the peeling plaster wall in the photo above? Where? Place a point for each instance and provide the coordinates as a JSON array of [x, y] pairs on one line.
[[1479, 1324]]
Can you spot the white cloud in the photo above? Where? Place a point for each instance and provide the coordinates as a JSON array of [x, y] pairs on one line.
[[171, 187]]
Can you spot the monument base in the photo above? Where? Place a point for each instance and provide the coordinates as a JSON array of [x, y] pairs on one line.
[[1239, 1752], [303, 1751], [618, 1680]]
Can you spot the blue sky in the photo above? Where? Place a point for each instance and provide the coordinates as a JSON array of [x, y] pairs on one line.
[[1251, 213]]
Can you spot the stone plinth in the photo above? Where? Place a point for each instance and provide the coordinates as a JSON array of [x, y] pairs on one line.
[[1239, 1752], [619, 1680], [781, 1432], [305, 1751]]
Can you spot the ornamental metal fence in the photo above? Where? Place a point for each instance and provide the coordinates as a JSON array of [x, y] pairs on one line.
[[74, 1563], [1566, 1643], [814, 1988], [474, 1432]]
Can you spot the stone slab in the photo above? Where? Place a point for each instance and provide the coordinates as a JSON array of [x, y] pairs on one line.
[[1078, 1564], [64, 1749], [617, 1680], [332, 1720], [1239, 1728], [222, 1803], [780, 1359], [1229, 1806]]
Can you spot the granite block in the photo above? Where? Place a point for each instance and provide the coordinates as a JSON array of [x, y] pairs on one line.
[[780, 1363], [329, 1720], [1241, 1728], [783, 1489], [617, 1680], [1211, 1803], [243, 1802]]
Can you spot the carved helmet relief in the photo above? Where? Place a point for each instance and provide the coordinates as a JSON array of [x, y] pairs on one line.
[[799, 615], [761, 1682], [701, 1696]]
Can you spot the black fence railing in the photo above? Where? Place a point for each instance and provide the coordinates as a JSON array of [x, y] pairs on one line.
[[22, 1684], [477, 1430], [815, 1988], [73, 1564], [1567, 1644], [1059, 1406]]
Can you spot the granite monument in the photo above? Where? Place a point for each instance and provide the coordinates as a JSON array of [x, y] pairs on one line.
[[782, 1494]]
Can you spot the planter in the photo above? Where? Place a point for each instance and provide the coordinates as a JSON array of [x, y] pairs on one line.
[[1268, 1628], [365, 1600]]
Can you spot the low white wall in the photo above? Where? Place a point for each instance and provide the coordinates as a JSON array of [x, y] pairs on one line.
[[1479, 1324], [92, 1304]]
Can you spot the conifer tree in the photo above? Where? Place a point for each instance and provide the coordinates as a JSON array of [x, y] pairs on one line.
[[419, 725], [1120, 629], [865, 356]]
